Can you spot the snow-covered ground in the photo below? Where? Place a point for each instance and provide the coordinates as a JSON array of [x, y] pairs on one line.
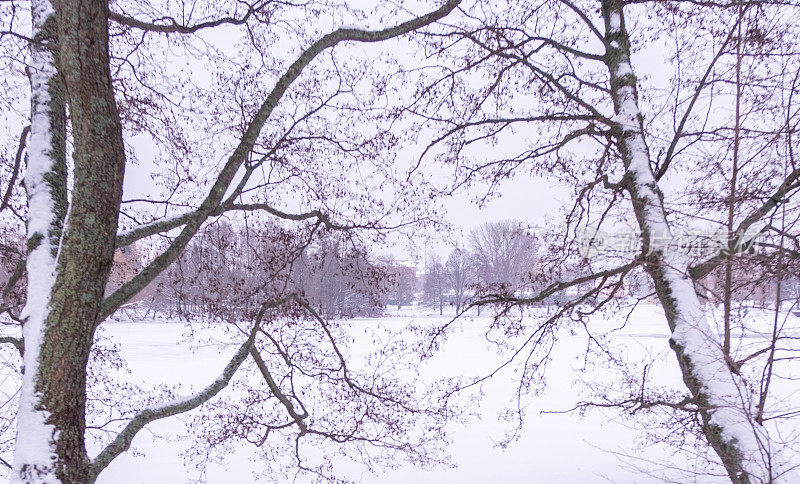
[[554, 448]]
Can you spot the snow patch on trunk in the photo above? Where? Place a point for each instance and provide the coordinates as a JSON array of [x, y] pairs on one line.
[[34, 458]]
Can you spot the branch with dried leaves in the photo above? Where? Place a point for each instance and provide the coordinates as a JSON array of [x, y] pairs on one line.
[[123, 440], [172, 26], [239, 156]]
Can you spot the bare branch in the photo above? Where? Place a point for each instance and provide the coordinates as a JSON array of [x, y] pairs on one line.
[[700, 87], [737, 242], [174, 27], [582, 15], [555, 287], [273, 387], [19, 271], [123, 440], [15, 171]]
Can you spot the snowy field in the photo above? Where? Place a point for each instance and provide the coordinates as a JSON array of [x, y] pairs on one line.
[[554, 448]]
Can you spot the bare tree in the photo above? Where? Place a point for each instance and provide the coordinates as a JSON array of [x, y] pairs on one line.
[[503, 254], [342, 280], [402, 283], [458, 276], [433, 285]]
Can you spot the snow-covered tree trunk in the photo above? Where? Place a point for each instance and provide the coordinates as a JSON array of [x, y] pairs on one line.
[[67, 273], [724, 403], [45, 183]]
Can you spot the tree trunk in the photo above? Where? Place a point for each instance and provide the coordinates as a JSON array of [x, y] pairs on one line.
[[724, 402], [56, 382]]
